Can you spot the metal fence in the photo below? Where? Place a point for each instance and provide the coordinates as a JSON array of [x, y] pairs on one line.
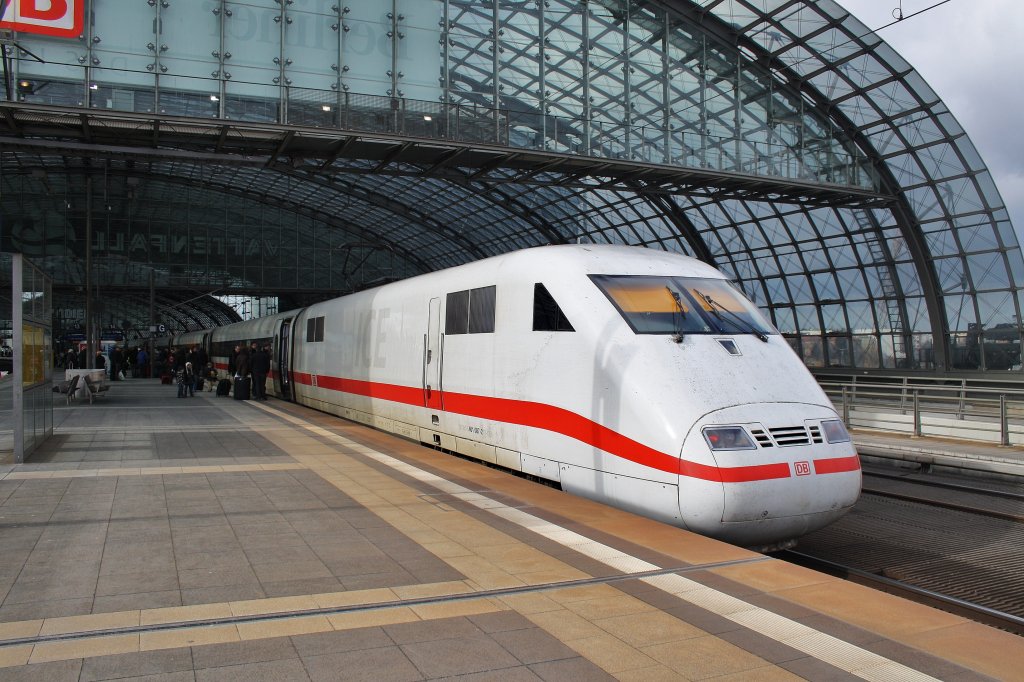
[[988, 411]]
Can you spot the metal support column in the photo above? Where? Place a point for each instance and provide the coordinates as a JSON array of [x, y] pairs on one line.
[[90, 331]]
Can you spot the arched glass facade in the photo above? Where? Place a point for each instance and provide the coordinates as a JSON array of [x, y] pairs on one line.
[[789, 91], [607, 79]]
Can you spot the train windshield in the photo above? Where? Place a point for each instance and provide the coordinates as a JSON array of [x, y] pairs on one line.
[[682, 305]]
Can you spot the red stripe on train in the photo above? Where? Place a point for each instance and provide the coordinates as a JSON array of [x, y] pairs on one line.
[[559, 420], [837, 465]]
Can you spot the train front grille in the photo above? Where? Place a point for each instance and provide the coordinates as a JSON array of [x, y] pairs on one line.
[[784, 436]]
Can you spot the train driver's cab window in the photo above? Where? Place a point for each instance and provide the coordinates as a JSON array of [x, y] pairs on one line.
[[470, 311], [682, 305], [315, 329], [547, 315]]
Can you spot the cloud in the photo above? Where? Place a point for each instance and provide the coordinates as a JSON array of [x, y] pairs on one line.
[[969, 53]]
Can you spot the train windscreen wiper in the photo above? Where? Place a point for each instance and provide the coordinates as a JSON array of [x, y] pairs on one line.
[[735, 320], [681, 312]]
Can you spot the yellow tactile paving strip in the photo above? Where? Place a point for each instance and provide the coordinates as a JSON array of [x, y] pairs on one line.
[[623, 635]]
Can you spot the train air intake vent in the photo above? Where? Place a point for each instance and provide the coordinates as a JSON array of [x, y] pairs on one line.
[[762, 438], [815, 434], [790, 435]]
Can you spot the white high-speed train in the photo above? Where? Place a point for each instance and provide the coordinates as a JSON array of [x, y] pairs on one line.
[[632, 376]]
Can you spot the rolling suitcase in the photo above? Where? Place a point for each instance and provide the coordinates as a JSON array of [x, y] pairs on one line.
[[242, 385], [224, 387]]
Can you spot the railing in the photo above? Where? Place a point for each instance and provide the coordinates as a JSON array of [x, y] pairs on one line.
[[932, 407], [686, 144]]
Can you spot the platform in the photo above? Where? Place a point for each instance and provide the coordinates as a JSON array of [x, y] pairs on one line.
[[955, 455], [207, 538]]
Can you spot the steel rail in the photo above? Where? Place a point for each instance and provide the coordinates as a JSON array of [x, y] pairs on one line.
[[946, 504], [948, 486]]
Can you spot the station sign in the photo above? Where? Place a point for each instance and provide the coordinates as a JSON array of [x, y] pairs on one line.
[[58, 18]]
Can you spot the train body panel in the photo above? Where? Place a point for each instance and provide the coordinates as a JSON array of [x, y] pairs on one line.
[[191, 339], [454, 359]]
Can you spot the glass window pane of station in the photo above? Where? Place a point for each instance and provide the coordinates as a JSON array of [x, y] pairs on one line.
[[865, 352], [812, 350]]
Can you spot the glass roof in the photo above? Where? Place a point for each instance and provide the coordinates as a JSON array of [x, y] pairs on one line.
[[796, 90]]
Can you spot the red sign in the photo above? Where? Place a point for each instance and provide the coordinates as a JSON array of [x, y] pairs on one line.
[[802, 468], [60, 18]]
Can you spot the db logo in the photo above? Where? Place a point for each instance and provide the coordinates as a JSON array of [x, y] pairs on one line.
[[60, 18], [802, 468]]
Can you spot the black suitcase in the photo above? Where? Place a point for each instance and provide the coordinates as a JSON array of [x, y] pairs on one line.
[[224, 387], [199, 383], [242, 385]]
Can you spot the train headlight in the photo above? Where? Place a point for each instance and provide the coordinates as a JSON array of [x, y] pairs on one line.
[[835, 432], [728, 438]]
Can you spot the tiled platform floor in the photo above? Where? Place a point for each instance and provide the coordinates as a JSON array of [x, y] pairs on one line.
[[205, 539]]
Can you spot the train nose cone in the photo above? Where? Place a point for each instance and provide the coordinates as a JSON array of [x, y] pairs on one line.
[[788, 480]]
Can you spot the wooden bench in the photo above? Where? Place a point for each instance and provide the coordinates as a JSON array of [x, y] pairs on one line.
[[68, 388], [97, 389]]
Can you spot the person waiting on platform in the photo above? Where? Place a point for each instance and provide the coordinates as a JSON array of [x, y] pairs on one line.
[[260, 370], [210, 377], [117, 363], [142, 362], [186, 381]]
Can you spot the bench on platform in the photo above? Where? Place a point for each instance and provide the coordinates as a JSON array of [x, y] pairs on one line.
[[68, 388], [97, 389]]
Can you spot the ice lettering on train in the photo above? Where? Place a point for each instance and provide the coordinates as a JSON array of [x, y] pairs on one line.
[[381, 338]]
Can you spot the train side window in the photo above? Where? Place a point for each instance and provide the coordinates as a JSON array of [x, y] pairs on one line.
[[456, 315], [547, 315], [470, 311], [315, 329], [481, 310]]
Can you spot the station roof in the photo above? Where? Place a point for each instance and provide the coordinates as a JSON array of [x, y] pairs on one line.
[[781, 141]]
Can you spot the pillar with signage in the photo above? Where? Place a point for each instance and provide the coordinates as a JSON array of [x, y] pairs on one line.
[[29, 384]]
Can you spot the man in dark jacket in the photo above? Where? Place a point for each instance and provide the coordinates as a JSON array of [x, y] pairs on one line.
[[242, 361], [243, 366], [260, 370], [116, 362]]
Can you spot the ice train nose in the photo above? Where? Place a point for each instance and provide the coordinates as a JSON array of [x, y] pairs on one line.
[[773, 483]]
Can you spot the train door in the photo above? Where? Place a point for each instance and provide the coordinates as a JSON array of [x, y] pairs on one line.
[[432, 357], [283, 376]]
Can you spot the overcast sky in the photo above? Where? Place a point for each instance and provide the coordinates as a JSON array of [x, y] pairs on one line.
[[971, 52]]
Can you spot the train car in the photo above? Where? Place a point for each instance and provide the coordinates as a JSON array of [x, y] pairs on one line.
[[632, 376], [263, 331], [191, 339]]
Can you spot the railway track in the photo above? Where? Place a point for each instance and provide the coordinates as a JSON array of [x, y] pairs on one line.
[[950, 544], [986, 501]]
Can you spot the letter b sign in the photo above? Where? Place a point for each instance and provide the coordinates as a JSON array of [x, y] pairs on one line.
[[59, 18]]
